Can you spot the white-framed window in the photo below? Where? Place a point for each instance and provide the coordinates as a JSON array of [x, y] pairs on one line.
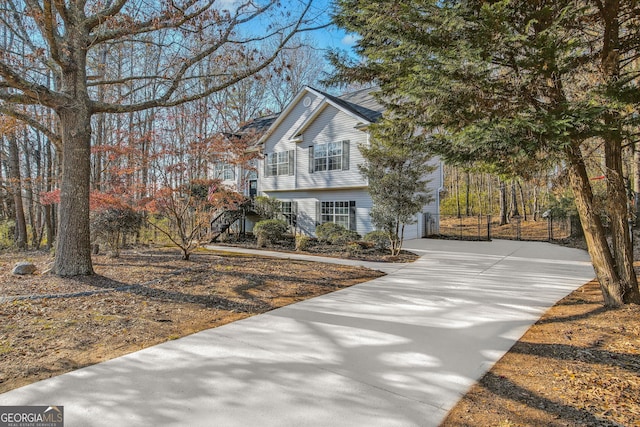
[[224, 171], [252, 170], [289, 211], [328, 157], [338, 212], [286, 208], [281, 163]]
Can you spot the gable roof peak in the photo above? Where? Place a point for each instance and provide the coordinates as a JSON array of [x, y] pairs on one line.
[[360, 104]]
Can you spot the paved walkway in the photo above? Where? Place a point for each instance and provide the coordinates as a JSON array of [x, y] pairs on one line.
[[399, 350]]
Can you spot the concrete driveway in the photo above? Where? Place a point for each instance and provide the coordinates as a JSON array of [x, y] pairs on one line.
[[396, 351]]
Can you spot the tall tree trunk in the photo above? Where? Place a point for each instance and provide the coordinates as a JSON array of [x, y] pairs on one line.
[[100, 139], [15, 183], [73, 249], [131, 156], [490, 194], [523, 201], [6, 209], [479, 182], [503, 203], [48, 209], [616, 191], [39, 173], [601, 257], [144, 160], [73, 245], [457, 188], [100, 142], [618, 214], [514, 200], [536, 202], [467, 193], [636, 182], [28, 190]]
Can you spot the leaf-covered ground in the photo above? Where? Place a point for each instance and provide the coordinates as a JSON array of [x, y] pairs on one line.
[[579, 365], [138, 300]]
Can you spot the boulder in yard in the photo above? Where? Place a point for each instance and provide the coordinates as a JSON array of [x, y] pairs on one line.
[[23, 268]]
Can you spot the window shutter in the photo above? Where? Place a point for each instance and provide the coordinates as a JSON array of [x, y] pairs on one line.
[[294, 213], [345, 155], [318, 215], [311, 159], [352, 215], [292, 161], [266, 164]]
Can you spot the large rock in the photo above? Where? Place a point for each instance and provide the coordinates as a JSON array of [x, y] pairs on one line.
[[23, 268]]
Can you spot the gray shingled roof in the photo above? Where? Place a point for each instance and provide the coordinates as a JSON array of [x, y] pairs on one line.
[[258, 125], [360, 102]]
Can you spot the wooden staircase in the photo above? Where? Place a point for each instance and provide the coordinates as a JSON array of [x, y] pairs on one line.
[[226, 218]]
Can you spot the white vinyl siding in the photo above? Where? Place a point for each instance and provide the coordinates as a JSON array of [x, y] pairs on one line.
[[329, 153], [328, 177], [281, 140]]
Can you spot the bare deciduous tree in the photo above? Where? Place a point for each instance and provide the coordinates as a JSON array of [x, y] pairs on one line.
[[198, 50]]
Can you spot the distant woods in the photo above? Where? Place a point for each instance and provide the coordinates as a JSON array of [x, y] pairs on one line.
[[137, 154], [473, 193]]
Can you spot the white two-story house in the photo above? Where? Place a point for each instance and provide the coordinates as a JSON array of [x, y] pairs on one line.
[[310, 159]]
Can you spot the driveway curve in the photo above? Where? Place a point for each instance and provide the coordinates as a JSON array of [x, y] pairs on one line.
[[399, 350]]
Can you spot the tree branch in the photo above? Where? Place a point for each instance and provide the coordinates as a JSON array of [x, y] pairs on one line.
[[55, 139], [165, 100], [43, 16], [107, 12], [32, 92], [166, 20]]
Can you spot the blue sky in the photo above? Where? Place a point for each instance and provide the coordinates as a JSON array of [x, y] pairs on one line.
[[324, 39], [332, 37]]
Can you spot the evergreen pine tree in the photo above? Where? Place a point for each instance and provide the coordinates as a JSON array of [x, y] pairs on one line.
[[506, 83]]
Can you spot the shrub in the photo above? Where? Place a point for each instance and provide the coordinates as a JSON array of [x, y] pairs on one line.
[[266, 207], [7, 233], [326, 230], [269, 231], [354, 249], [344, 237], [302, 242], [335, 234], [379, 238], [111, 224]]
